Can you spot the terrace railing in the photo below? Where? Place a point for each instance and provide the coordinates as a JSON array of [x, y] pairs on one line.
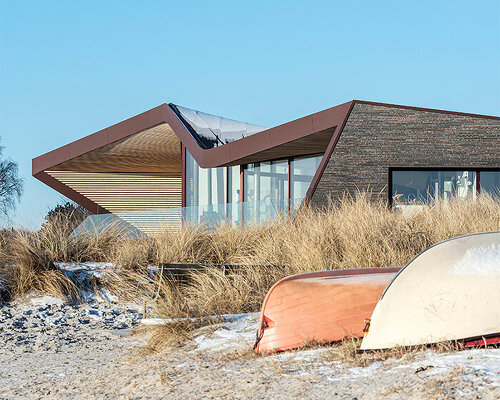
[[149, 222]]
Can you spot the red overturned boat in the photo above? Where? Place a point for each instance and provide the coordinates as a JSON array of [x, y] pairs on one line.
[[319, 307]]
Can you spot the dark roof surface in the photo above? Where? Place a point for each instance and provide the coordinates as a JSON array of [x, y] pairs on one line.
[[211, 130]]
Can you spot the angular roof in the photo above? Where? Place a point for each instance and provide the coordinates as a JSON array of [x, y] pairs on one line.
[[150, 142]]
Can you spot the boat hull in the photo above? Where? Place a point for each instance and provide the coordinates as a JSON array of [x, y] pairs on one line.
[[451, 291], [319, 307]]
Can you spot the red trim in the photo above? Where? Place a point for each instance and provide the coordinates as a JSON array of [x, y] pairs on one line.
[[328, 153], [242, 183], [227, 185], [434, 110], [478, 183], [289, 183], [481, 342]]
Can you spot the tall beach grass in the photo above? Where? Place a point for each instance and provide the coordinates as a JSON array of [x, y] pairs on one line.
[[352, 233]]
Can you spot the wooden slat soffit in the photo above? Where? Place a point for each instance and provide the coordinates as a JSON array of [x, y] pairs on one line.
[[157, 149]]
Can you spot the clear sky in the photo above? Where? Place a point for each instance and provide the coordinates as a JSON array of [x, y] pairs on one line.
[[70, 68]]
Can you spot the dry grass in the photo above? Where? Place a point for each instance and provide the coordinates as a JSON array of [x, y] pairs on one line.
[[27, 257], [354, 232]]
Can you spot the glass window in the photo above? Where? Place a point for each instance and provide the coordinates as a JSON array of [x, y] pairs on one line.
[[251, 174], [417, 187], [192, 180], [233, 180], [302, 173], [204, 186], [490, 182], [266, 181]]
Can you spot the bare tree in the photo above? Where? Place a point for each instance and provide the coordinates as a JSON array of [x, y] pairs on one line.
[[11, 186]]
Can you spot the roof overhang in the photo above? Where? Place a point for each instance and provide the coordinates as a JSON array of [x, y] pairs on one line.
[[132, 140]]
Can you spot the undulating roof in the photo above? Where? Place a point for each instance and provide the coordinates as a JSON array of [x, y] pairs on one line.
[[150, 144]]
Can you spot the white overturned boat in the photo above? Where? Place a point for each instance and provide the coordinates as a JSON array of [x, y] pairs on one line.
[[451, 291]]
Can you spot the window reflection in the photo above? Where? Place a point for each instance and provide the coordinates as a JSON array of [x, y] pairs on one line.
[[204, 186], [266, 184], [266, 187], [490, 182], [303, 170], [417, 187]]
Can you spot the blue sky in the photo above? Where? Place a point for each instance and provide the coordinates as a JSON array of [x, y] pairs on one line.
[[70, 68]]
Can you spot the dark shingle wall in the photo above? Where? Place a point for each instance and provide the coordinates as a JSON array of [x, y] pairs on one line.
[[376, 138]]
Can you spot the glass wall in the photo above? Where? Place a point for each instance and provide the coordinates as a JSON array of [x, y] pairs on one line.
[[266, 180], [204, 186], [233, 181], [417, 186], [266, 186], [302, 173]]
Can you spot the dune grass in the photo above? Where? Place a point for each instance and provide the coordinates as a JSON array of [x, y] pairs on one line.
[[352, 233], [27, 257]]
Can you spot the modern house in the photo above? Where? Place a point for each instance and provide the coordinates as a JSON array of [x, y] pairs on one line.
[[172, 164]]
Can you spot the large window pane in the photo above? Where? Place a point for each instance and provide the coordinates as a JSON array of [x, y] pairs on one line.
[[302, 173], [251, 175], [233, 180], [266, 181], [490, 182], [192, 179], [274, 180], [417, 187], [204, 186]]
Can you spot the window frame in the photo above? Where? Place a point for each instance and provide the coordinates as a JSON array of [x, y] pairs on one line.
[[420, 169]]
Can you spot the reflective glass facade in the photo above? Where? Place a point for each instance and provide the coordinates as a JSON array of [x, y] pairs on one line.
[[303, 170], [269, 187], [266, 180], [414, 187], [205, 186], [490, 182]]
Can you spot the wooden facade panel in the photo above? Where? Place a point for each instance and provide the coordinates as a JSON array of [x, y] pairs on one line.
[[122, 192]]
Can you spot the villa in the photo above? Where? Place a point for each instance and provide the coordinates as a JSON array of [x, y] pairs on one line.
[[173, 164]]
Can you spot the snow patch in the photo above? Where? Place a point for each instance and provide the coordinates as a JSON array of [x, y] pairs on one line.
[[46, 301], [234, 330], [480, 261]]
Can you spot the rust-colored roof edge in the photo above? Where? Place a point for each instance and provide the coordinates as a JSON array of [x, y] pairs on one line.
[[228, 154], [223, 155], [70, 193], [434, 110], [328, 153], [113, 133], [207, 158], [231, 153]]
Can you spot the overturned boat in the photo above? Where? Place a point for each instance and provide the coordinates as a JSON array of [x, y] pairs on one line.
[[319, 307], [451, 291]]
